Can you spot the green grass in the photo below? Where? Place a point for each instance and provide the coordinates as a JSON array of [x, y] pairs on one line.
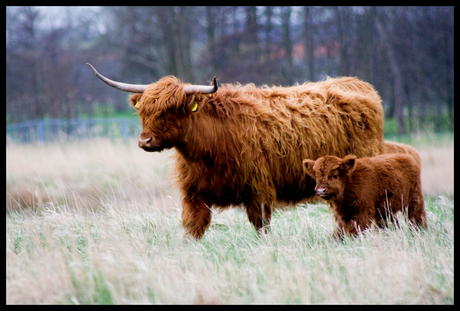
[[99, 223], [424, 139], [427, 124]]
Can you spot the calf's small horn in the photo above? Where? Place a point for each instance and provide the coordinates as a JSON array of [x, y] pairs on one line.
[[133, 88]]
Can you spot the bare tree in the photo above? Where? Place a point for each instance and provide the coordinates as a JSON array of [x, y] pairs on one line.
[[23, 64], [268, 30], [405, 52], [287, 44], [211, 14], [399, 95], [308, 43]]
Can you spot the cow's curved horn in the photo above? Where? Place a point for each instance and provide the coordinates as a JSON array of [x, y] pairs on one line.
[[133, 88], [203, 89]]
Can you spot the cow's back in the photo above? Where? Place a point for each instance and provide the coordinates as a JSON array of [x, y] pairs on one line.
[[392, 147]]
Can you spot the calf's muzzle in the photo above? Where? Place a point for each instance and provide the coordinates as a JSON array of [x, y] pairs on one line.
[[321, 191]]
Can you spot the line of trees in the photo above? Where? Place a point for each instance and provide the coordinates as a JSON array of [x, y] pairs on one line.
[[405, 52]]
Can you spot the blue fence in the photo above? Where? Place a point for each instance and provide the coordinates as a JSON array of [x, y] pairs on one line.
[[64, 130]]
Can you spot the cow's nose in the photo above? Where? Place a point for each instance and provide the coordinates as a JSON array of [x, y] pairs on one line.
[[145, 142]]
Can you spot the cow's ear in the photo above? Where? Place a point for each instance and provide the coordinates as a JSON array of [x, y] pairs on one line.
[[134, 100], [308, 167], [348, 164], [195, 103]]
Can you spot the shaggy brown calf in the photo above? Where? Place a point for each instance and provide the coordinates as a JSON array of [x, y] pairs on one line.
[[367, 190], [243, 146], [389, 147]]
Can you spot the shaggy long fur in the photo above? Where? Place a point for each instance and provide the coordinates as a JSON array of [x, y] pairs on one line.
[[392, 147], [244, 145], [367, 190]]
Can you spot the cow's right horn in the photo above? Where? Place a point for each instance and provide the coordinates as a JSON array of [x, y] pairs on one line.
[[133, 88], [203, 89]]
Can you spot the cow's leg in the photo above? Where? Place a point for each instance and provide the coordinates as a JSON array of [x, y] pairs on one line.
[[196, 218], [259, 214], [259, 206]]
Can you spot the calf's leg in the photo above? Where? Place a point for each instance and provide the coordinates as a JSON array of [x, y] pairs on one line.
[[416, 208]]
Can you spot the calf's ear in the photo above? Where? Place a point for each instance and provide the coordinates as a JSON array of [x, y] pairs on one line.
[[348, 164], [308, 166]]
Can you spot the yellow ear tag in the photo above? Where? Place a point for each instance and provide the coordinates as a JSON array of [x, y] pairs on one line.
[[137, 105], [195, 107]]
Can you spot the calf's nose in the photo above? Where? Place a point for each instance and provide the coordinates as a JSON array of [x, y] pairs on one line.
[[321, 191]]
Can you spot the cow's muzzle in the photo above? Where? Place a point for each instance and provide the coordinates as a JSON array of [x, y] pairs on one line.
[[150, 143]]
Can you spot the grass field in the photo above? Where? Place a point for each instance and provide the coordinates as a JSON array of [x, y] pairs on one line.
[[99, 223]]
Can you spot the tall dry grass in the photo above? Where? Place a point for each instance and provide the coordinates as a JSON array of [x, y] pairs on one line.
[[437, 154], [99, 223], [86, 173], [437, 170]]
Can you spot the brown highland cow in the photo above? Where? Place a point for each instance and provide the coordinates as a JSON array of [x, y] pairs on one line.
[[243, 146], [392, 147], [368, 190]]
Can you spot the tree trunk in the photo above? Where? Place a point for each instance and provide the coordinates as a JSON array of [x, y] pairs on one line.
[[287, 43], [251, 25], [308, 44], [397, 83], [268, 29], [210, 27], [185, 32]]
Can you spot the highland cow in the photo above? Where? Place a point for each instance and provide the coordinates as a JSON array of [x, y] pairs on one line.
[[392, 147], [238, 145], [368, 190]]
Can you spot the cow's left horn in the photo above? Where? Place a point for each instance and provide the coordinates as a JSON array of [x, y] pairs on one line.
[[203, 89], [133, 88]]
